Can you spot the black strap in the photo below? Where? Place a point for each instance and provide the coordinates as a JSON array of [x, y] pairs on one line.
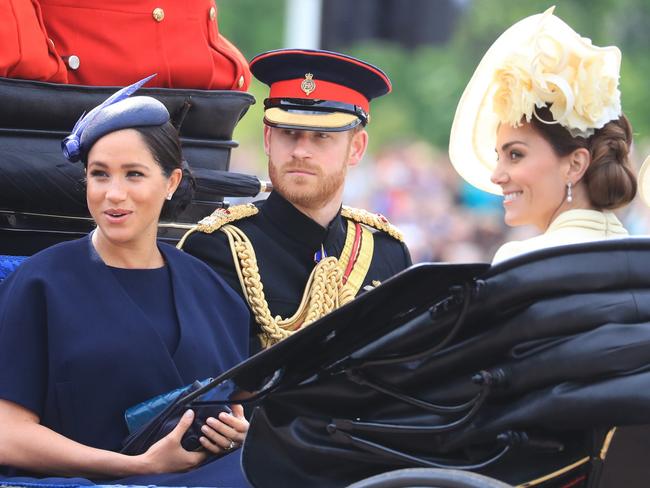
[[410, 460], [459, 294], [361, 378]]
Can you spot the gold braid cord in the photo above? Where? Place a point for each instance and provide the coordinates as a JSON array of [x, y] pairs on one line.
[[323, 293], [223, 216], [376, 221], [218, 219]]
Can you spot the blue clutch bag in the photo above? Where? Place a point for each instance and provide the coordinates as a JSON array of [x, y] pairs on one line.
[[139, 415], [150, 421]]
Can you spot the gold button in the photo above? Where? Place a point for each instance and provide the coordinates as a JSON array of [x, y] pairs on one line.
[[213, 13], [240, 81], [158, 14]]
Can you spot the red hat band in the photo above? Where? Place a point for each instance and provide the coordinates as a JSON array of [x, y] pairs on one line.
[[311, 89]]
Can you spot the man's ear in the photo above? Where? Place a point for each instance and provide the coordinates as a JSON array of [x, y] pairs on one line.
[[267, 139], [579, 161], [358, 146]]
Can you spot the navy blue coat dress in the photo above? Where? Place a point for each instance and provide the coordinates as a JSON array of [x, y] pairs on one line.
[[78, 351]]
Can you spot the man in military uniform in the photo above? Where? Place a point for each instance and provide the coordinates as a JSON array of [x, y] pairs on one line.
[[300, 254]]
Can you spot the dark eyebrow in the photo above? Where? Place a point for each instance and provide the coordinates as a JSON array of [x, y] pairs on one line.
[[134, 166], [97, 163], [124, 166], [512, 143]]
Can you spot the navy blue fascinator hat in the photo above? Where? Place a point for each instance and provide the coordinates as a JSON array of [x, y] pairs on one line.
[[117, 112]]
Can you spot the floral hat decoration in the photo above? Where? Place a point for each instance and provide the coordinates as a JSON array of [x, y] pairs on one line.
[[538, 61]]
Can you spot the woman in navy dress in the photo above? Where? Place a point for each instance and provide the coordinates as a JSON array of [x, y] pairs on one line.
[[93, 326]]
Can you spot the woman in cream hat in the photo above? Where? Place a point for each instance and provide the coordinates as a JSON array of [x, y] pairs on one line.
[[540, 122]]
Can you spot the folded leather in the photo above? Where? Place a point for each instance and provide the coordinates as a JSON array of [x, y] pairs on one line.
[[36, 116], [35, 105], [559, 340]]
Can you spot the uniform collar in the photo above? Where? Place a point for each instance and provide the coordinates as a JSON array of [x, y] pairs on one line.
[[298, 226]]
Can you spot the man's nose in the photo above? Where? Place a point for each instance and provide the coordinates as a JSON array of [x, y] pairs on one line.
[[302, 146]]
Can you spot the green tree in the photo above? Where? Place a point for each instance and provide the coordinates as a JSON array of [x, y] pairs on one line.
[[428, 82]]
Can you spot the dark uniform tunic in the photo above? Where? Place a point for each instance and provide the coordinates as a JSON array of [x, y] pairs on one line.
[[285, 241]]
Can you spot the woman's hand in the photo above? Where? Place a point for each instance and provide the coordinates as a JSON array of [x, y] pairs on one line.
[[168, 456], [26, 444], [226, 433]]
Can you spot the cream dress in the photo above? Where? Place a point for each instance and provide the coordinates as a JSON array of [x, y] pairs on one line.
[[570, 227]]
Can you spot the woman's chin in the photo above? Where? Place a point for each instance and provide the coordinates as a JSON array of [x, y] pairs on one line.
[[512, 219], [117, 236]]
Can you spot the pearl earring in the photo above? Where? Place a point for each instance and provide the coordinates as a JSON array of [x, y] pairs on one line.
[[569, 193]]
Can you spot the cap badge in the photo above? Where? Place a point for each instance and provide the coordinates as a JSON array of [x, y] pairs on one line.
[[308, 85]]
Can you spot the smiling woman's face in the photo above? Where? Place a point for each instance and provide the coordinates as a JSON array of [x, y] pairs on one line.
[[532, 177], [126, 188]]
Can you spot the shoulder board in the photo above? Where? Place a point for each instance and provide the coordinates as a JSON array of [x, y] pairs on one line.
[[376, 221], [223, 216]]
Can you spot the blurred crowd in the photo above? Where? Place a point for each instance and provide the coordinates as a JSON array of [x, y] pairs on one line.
[[418, 190], [443, 219]]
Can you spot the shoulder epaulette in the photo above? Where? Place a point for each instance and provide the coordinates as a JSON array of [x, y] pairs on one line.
[[376, 221], [223, 216]]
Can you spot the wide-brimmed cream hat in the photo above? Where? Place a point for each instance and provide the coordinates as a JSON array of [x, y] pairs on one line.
[[643, 181], [538, 61]]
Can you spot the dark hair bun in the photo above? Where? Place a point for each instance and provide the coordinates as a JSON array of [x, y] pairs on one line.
[[610, 179]]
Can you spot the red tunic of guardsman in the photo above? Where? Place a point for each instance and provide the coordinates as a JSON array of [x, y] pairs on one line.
[[113, 43], [25, 50]]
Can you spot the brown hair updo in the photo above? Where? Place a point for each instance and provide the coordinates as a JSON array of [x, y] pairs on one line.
[[610, 179]]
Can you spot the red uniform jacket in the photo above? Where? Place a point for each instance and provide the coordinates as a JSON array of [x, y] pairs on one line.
[[25, 50], [121, 41]]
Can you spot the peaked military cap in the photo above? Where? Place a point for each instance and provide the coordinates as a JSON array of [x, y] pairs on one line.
[[317, 90]]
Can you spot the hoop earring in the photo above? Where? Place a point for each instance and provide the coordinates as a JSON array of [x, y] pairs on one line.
[[569, 193]]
